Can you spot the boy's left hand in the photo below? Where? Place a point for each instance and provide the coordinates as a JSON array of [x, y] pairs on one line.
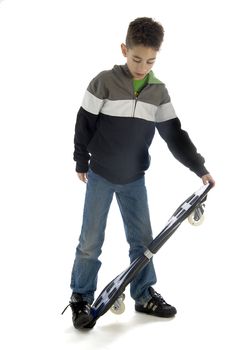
[[208, 179]]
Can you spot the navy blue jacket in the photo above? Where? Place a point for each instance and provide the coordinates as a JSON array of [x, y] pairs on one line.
[[114, 129]]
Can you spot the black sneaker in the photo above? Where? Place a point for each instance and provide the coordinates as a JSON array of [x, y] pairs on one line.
[[81, 312], [156, 306]]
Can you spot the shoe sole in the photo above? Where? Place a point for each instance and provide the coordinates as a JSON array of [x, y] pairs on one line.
[[158, 314]]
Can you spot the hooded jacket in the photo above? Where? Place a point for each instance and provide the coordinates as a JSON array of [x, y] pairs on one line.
[[114, 128]]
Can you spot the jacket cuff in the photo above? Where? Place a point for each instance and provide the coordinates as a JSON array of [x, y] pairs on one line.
[[81, 168], [201, 171]]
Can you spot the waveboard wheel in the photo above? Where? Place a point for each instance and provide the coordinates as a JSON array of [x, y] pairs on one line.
[[119, 306], [196, 218]]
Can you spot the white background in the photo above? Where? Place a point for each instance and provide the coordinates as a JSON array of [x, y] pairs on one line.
[[49, 51]]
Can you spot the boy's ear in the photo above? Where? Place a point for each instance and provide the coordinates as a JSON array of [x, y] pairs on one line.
[[124, 50]]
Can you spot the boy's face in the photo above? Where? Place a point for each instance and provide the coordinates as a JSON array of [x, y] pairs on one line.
[[140, 59]]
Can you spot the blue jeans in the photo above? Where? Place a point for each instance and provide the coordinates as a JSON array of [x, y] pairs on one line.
[[132, 201]]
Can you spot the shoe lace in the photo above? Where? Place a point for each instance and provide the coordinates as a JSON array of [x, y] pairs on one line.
[[155, 301], [65, 308], [76, 306], [158, 297]]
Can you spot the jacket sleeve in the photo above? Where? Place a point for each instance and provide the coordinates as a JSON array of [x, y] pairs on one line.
[[178, 140], [86, 123], [181, 146], [84, 131]]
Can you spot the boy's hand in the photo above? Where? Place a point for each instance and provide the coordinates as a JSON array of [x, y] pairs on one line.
[[82, 177], [208, 179]]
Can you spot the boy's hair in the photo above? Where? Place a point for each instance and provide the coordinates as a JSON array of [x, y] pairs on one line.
[[144, 31]]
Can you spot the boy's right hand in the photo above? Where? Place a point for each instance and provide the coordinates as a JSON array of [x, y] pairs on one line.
[[82, 177]]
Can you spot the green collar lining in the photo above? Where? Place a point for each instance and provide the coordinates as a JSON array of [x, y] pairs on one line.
[[152, 79]]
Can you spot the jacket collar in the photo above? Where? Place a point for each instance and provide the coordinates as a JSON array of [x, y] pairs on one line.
[[151, 80]]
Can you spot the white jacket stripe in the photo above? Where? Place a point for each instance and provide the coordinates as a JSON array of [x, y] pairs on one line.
[[128, 108], [91, 103], [165, 112]]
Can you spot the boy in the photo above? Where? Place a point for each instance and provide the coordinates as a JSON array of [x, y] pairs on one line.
[[115, 126]]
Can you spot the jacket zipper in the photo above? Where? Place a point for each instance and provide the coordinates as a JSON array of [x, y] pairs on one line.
[[135, 103], [136, 100]]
